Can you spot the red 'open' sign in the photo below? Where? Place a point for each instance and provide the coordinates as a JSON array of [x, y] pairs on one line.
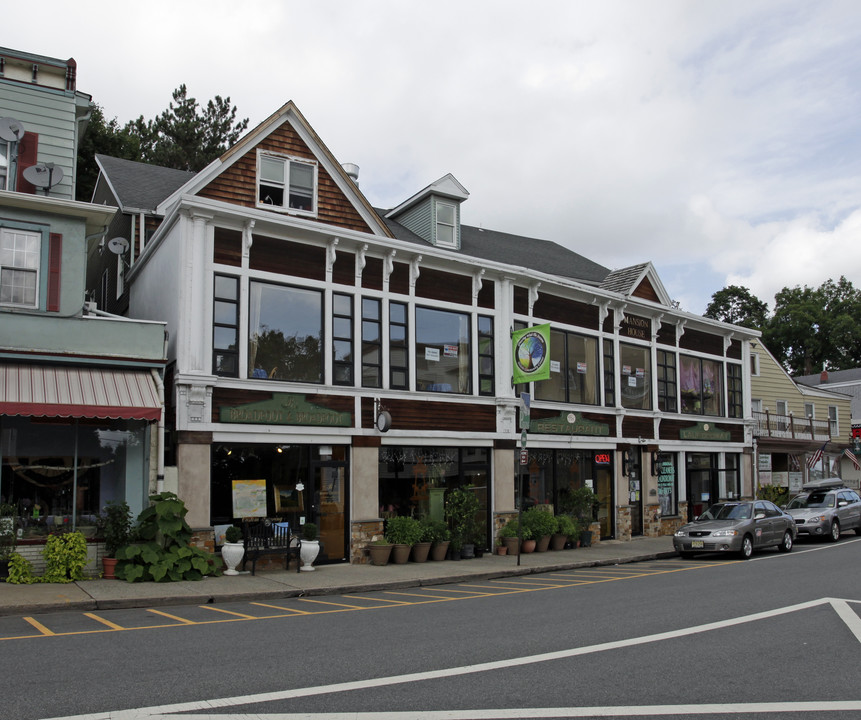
[[602, 458]]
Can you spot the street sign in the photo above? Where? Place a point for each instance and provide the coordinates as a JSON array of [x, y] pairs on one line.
[[524, 457]]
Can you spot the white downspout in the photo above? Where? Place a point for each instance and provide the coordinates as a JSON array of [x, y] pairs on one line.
[[159, 477]]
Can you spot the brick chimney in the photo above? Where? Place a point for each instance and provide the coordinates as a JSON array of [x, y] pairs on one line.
[[823, 377]]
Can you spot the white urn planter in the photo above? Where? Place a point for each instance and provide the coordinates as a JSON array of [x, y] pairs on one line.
[[308, 551], [231, 553]]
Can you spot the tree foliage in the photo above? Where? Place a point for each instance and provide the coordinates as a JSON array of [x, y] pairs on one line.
[[187, 136], [810, 329], [737, 305]]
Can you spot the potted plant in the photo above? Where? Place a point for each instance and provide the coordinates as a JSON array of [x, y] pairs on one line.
[[117, 532], [379, 550], [232, 550], [310, 547], [583, 504], [440, 539], [421, 549], [566, 528], [541, 525], [8, 537], [402, 532], [509, 534], [461, 507]]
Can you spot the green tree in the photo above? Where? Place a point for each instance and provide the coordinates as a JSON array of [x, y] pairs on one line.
[[816, 328], [104, 137], [188, 136], [737, 305]]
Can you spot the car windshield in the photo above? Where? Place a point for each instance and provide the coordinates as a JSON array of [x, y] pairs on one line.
[[723, 511], [813, 500]]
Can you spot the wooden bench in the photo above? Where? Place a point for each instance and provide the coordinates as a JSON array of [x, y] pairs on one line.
[[269, 537]]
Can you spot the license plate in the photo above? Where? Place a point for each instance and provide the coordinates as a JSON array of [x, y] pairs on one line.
[[697, 544]]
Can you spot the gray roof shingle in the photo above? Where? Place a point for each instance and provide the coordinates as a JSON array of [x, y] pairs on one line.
[[140, 186]]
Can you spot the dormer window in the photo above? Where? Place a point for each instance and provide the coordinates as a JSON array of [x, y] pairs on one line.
[[287, 183], [446, 225]]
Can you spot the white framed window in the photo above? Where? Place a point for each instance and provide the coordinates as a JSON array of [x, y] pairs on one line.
[[754, 364], [20, 253], [809, 410], [833, 423], [287, 183], [5, 163], [446, 224], [756, 404]]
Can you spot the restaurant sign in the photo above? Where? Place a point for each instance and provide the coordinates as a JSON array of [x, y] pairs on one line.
[[704, 431], [285, 409], [568, 424]]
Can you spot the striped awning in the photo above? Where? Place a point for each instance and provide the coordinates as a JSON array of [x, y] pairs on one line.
[[65, 391]]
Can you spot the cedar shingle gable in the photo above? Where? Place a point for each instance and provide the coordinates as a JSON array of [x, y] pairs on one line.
[[237, 184]]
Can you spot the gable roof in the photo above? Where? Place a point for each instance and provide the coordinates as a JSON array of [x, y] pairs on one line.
[[137, 186], [639, 281], [540, 255]]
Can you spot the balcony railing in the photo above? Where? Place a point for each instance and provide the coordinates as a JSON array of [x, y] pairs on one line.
[[790, 428]]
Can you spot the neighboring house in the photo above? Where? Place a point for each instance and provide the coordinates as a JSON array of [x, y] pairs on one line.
[[847, 382], [80, 406], [792, 422], [336, 363]]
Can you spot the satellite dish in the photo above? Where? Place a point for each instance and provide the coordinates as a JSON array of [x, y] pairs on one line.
[[118, 245], [11, 130], [43, 175]]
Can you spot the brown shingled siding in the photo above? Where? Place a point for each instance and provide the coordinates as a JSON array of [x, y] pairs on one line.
[[645, 291], [424, 415], [439, 285], [701, 342], [237, 184], [570, 312]]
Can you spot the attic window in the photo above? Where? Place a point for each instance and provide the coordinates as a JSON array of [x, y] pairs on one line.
[[446, 225], [287, 183]]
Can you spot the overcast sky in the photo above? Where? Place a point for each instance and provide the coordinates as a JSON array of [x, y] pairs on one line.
[[717, 139]]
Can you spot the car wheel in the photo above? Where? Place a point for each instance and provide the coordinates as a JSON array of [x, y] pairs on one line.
[[786, 545], [834, 536], [746, 548]]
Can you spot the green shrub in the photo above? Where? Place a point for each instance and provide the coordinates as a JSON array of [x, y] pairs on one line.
[[461, 507], [117, 530], [434, 531], [163, 552], [539, 522], [403, 530], [20, 570], [309, 531], [233, 534], [65, 557], [568, 526]]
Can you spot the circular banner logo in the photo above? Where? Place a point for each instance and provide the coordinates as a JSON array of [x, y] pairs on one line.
[[530, 353]]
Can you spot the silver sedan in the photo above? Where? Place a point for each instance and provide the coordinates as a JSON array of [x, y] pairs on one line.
[[737, 527]]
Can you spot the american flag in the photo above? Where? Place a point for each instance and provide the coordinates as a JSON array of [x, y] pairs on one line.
[[816, 457], [851, 455]]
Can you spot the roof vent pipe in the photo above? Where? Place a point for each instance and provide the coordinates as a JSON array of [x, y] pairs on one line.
[[352, 170]]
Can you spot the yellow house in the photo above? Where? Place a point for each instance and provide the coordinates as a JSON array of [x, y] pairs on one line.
[[800, 433]]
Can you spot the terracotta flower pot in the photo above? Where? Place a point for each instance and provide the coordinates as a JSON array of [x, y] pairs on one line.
[[379, 554], [439, 550], [557, 541], [502, 550], [401, 553], [528, 546], [513, 545], [421, 551], [542, 543]]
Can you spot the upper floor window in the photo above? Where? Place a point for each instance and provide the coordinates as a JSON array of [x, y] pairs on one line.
[[754, 364], [485, 355], [573, 370], [287, 183], [635, 384], [286, 332], [342, 339], [20, 252], [833, 425], [398, 363], [4, 164], [667, 383], [372, 343], [735, 396], [225, 328], [442, 351], [701, 386], [809, 410], [446, 224], [609, 375]]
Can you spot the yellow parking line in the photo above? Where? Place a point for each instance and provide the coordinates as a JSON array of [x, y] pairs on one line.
[[229, 612], [112, 626], [397, 602], [341, 605], [293, 611], [41, 628], [184, 621]]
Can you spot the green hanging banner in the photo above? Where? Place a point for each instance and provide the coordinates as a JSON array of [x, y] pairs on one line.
[[531, 350]]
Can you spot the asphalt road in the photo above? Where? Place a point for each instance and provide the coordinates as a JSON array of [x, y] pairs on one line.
[[709, 638]]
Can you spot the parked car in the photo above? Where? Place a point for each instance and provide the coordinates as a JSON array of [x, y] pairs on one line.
[[737, 527], [825, 509]]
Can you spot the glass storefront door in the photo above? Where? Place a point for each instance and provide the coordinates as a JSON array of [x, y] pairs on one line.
[[635, 490], [327, 509], [702, 482]]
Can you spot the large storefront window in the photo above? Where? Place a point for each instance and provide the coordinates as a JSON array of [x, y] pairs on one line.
[[635, 384], [573, 370], [442, 351], [413, 480], [302, 483], [701, 386], [550, 474], [286, 333], [63, 472]]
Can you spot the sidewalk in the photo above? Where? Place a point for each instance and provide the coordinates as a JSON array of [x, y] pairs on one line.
[[88, 595]]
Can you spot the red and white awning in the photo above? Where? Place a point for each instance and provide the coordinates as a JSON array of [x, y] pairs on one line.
[[66, 391]]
